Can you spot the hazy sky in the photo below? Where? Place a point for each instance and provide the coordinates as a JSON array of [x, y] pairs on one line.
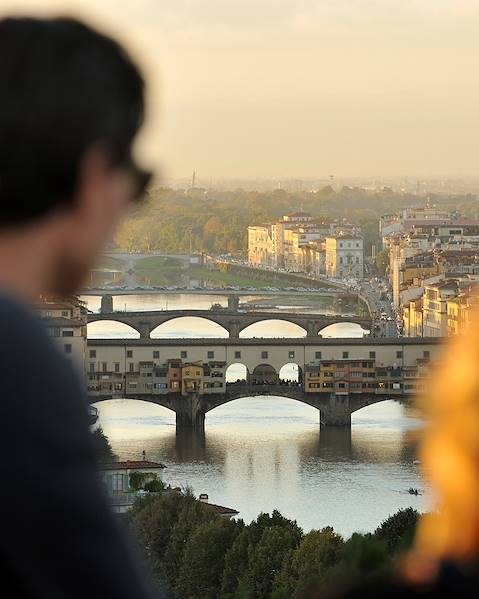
[[280, 88]]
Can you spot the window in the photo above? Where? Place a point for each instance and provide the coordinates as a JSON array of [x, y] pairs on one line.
[[129, 353], [68, 348], [118, 386], [119, 482], [117, 366], [131, 367], [318, 355], [66, 314], [156, 355], [372, 355], [345, 355], [211, 355], [104, 366], [93, 353], [427, 354], [264, 354], [92, 366], [237, 355], [399, 355], [67, 333], [291, 354], [184, 354]]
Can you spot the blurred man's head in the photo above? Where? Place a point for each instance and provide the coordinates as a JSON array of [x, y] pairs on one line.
[[71, 103]]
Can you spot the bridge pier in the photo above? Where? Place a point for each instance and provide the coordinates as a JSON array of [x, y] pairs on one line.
[[233, 329], [233, 302], [312, 328], [106, 304], [144, 328], [337, 412], [190, 412]]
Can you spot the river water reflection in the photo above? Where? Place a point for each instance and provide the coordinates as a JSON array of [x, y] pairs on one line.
[[262, 453]]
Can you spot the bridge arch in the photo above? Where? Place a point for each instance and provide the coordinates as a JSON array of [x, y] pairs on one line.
[[373, 407], [350, 329], [264, 374], [112, 328], [291, 372], [189, 327], [236, 372], [279, 393], [157, 400], [271, 328]]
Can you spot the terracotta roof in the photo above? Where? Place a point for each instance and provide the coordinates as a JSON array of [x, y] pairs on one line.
[[220, 509], [131, 465]]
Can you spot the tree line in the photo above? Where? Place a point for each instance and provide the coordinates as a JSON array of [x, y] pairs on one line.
[[204, 556], [216, 221]]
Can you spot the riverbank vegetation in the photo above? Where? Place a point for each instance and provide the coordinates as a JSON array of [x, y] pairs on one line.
[[101, 444], [204, 556], [159, 270], [216, 221]]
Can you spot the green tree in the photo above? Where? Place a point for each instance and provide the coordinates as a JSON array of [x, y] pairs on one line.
[[238, 556], [203, 559], [152, 520], [193, 514], [398, 530], [138, 479], [154, 486], [266, 558], [102, 447], [365, 560], [305, 568]]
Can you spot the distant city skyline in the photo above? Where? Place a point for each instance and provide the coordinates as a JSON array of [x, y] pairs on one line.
[[301, 88]]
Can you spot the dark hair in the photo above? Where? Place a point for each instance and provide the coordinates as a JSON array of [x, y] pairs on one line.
[[64, 87]]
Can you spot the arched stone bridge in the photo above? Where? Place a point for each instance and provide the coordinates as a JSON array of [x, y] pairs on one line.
[[191, 409], [233, 322]]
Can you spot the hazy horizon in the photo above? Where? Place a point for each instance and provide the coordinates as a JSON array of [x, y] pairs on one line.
[[302, 89]]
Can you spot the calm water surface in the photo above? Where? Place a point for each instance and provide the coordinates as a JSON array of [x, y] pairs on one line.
[[262, 453]]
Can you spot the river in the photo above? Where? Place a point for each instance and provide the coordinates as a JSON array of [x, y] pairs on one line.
[[262, 453]]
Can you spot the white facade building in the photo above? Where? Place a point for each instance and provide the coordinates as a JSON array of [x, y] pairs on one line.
[[344, 256]]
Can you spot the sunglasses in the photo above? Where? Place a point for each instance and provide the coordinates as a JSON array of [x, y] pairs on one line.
[[139, 177]]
